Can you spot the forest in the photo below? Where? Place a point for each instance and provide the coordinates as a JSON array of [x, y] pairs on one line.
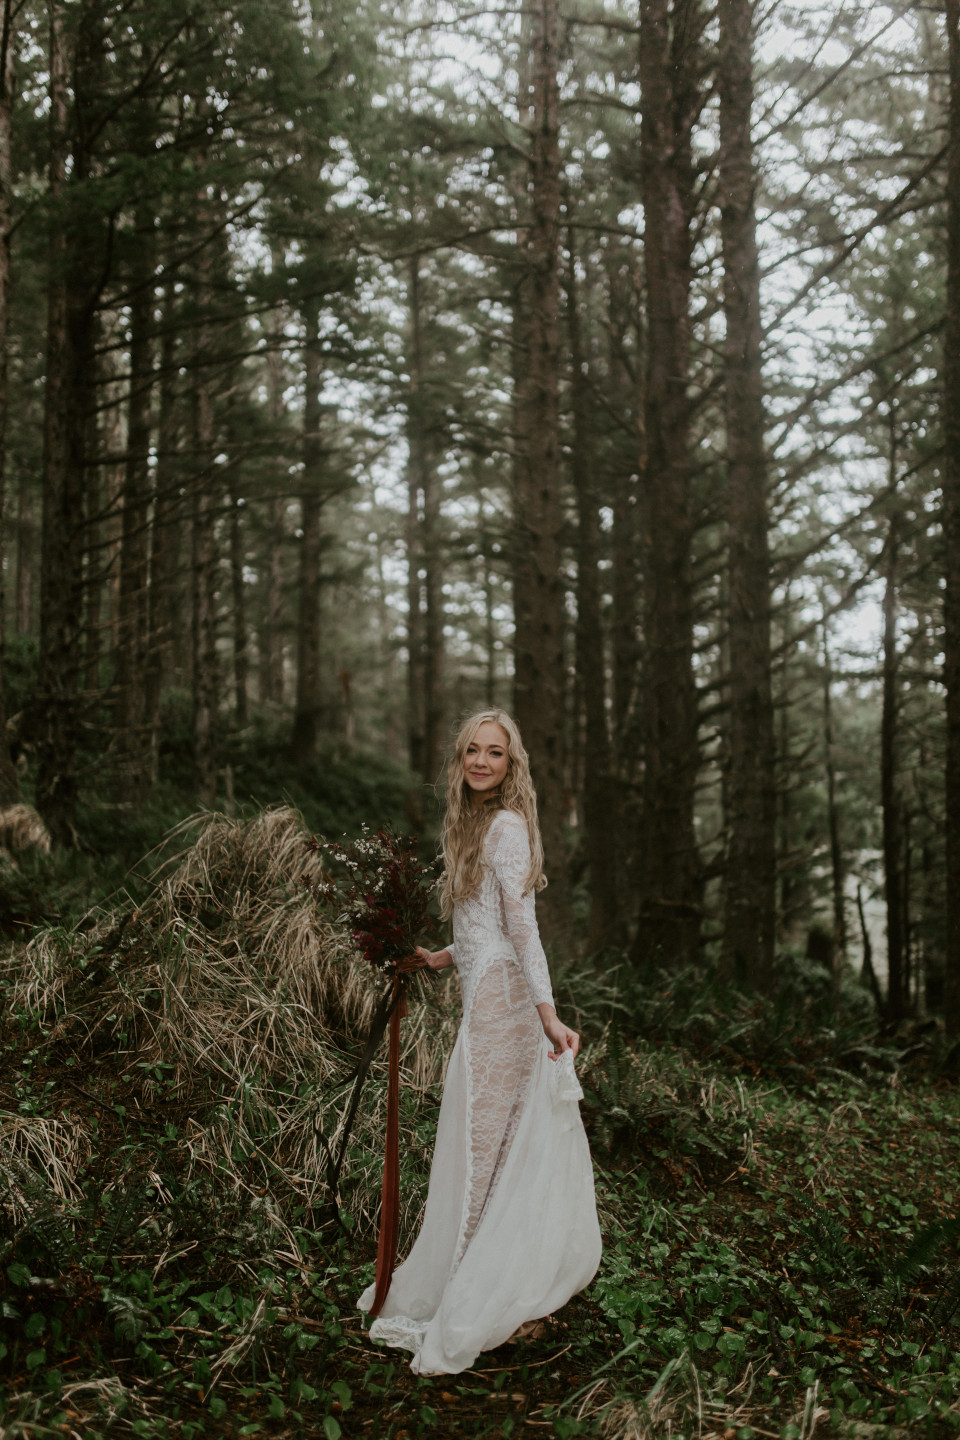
[[363, 366]]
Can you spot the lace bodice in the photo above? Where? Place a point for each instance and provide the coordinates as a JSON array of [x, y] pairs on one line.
[[499, 920]]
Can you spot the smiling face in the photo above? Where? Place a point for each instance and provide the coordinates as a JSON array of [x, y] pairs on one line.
[[485, 761]]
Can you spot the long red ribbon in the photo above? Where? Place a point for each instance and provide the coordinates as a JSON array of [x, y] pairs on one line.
[[390, 1192]]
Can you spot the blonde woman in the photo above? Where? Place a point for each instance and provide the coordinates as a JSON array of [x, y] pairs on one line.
[[510, 1231]]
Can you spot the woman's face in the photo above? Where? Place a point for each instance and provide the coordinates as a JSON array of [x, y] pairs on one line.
[[485, 762]]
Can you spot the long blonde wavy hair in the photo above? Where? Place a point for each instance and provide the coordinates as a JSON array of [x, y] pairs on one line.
[[465, 828]]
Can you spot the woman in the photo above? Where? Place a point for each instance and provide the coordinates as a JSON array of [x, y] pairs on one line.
[[510, 1230]]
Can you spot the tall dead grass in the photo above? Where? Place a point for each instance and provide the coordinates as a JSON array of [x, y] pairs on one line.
[[231, 992]]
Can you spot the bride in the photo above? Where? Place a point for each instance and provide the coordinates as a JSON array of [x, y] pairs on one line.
[[510, 1231]]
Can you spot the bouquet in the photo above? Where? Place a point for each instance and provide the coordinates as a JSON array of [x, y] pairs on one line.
[[380, 892]]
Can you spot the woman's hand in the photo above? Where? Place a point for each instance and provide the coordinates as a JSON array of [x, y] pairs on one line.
[[561, 1037], [436, 959]]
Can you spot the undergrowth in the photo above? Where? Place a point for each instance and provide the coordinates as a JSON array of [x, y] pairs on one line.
[[335, 793], [777, 1185]]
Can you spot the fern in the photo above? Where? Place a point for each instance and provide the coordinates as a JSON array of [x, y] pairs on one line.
[[919, 1255], [125, 1217], [129, 1315], [46, 1218], [834, 1257], [614, 1093]]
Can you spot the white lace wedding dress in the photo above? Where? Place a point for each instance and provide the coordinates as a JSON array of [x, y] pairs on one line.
[[510, 1231]]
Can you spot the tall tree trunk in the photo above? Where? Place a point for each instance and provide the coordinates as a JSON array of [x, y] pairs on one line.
[[270, 676], [415, 625], [789, 899], [163, 607], [306, 719], [670, 895], [69, 336], [889, 786], [132, 748], [489, 615], [241, 663], [206, 684], [628, 389], [9, 784], [624, 625], [394, 740], [951, 532], [424, 587], [539, 610], [868, 975], [104, 437], [906, 898], [626, 361], [271, 679], [600, 793], [833, 813], [107, 440], [750, 881], [26, 549]]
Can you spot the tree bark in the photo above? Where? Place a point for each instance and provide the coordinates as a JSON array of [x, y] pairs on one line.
[[750, 881], [163, 610], [9, 784], [271, 684], [600, 793], [628, 394], [833, 813], [906, 898], [132, 767], [206, 682], [424, 587], [306, 719], [241, 661], [489, 609], [868, 974], [26, 549], [790, 898], [104, 436], [539, 610], [951, 532], [889, 786], [68, 359], [670, 889]]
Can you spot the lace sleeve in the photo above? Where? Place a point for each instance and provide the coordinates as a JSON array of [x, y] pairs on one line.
[[511, 863]]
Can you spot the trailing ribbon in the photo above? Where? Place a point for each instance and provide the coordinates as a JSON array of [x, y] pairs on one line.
[[390, 1191], [391, 1010]]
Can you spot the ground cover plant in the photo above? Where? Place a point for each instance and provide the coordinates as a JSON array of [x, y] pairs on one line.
[[778, 1195]]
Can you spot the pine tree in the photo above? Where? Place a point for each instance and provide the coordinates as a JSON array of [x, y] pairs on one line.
[[671, 99], [748, 937], [951, 526]]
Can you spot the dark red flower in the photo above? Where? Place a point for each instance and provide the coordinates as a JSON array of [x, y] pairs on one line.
[[377, 887]]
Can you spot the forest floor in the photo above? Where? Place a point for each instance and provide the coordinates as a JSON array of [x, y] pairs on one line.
[[778, 1206]]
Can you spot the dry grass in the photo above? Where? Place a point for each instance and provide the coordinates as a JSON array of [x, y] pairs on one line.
[[39, 1151], [676, 1406], [229, 969], [672, 1406], [230, 992], [21, 828]]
